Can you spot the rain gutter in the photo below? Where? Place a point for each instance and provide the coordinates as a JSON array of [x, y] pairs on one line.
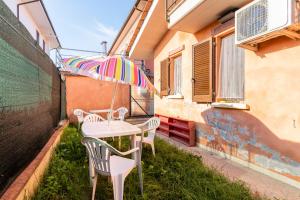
[[135, 7]]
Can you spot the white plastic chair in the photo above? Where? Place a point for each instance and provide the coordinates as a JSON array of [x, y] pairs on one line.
[[149, 126], [121, 116], [93, 118], [115, 166], [80, 114], [108, 111], [121, 113]]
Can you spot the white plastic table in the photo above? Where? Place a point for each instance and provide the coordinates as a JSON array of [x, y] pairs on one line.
[[111, 128], [100, 111]]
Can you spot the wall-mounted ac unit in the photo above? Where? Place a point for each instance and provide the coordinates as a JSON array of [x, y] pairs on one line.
[[261, 17]]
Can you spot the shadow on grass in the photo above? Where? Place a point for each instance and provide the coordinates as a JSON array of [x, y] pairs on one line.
[[172, 174]]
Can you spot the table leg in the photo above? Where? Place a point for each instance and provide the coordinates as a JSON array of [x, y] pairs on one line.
[[133, 145]]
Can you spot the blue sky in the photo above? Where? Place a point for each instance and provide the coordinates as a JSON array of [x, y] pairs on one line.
[[83, 24]]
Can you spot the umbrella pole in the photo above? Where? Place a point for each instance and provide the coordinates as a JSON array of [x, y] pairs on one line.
[[113, 101]]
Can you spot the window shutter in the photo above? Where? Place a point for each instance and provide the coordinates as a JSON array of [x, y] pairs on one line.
[[202, 72], [164, 77]]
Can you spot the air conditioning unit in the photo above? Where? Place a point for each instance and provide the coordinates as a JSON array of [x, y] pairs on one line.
[[262, 17]]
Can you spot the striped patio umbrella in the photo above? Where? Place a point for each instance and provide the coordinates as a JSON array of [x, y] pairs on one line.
[[111, 68]]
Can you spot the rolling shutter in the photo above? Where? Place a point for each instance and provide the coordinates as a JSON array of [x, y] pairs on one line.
[[164, 77], [202, 72]]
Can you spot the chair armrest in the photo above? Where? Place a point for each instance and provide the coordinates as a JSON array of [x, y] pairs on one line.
[[126, 152], [113, 117], [140, 125], [144, 129]]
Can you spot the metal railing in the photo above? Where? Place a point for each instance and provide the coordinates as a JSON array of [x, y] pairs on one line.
[[139, 105]]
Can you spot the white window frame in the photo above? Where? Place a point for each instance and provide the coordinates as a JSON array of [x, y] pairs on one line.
[[177, 62], [234, 73]]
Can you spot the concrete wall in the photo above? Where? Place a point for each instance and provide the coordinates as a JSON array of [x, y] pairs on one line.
[[89, 94], [268, 135]]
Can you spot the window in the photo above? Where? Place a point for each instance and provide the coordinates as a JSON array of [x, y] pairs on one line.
[[231, 69], [175, 84], [37, 37], [170, 76], [44, 45]]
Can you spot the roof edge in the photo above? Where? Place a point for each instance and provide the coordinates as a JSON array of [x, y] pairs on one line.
[[124, 25], [50, 22]]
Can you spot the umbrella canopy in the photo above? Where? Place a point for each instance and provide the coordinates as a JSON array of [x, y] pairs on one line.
[[113, 68]]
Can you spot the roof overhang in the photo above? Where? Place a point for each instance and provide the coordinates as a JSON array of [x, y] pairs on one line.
[[152, 30], [155, 25], [42, 20], [204, 13], [129, 23]]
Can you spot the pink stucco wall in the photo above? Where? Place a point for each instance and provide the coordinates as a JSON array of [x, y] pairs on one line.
[[89, 94], [267, 135]]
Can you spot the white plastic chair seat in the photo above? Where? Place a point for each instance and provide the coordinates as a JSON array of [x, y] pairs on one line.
[[146, 139], [120, 165]]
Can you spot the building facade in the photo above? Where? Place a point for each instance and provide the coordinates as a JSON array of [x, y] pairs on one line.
[[33, 15], [244, 99], [141, 100]]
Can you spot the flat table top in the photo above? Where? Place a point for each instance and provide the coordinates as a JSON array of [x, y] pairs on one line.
[[109, 129], [100, 111]]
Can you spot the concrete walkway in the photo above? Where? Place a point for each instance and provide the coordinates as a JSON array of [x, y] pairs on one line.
[[258, 182]]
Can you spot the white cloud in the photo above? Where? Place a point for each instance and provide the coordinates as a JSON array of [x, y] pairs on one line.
[[96, 32], [106, 30]]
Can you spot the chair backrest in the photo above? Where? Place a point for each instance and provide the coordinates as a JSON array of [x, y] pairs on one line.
[[80, 114], [100, 152], [122, 112], [93, 118], [151, 125]]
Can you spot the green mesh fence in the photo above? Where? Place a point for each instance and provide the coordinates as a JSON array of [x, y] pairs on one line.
[[30, 101], [21, 87]]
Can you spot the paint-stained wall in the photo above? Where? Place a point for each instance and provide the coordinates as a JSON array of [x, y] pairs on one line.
[[89, 94], [268, 135]]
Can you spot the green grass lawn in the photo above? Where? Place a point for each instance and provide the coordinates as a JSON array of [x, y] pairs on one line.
[[172, 174]]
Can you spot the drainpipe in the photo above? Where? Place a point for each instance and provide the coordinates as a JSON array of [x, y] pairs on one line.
[[104, 47]]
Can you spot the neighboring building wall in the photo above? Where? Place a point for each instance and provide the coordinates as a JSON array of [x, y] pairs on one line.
[[29, 97], [89, 94], [268, 135], [28, 22]]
